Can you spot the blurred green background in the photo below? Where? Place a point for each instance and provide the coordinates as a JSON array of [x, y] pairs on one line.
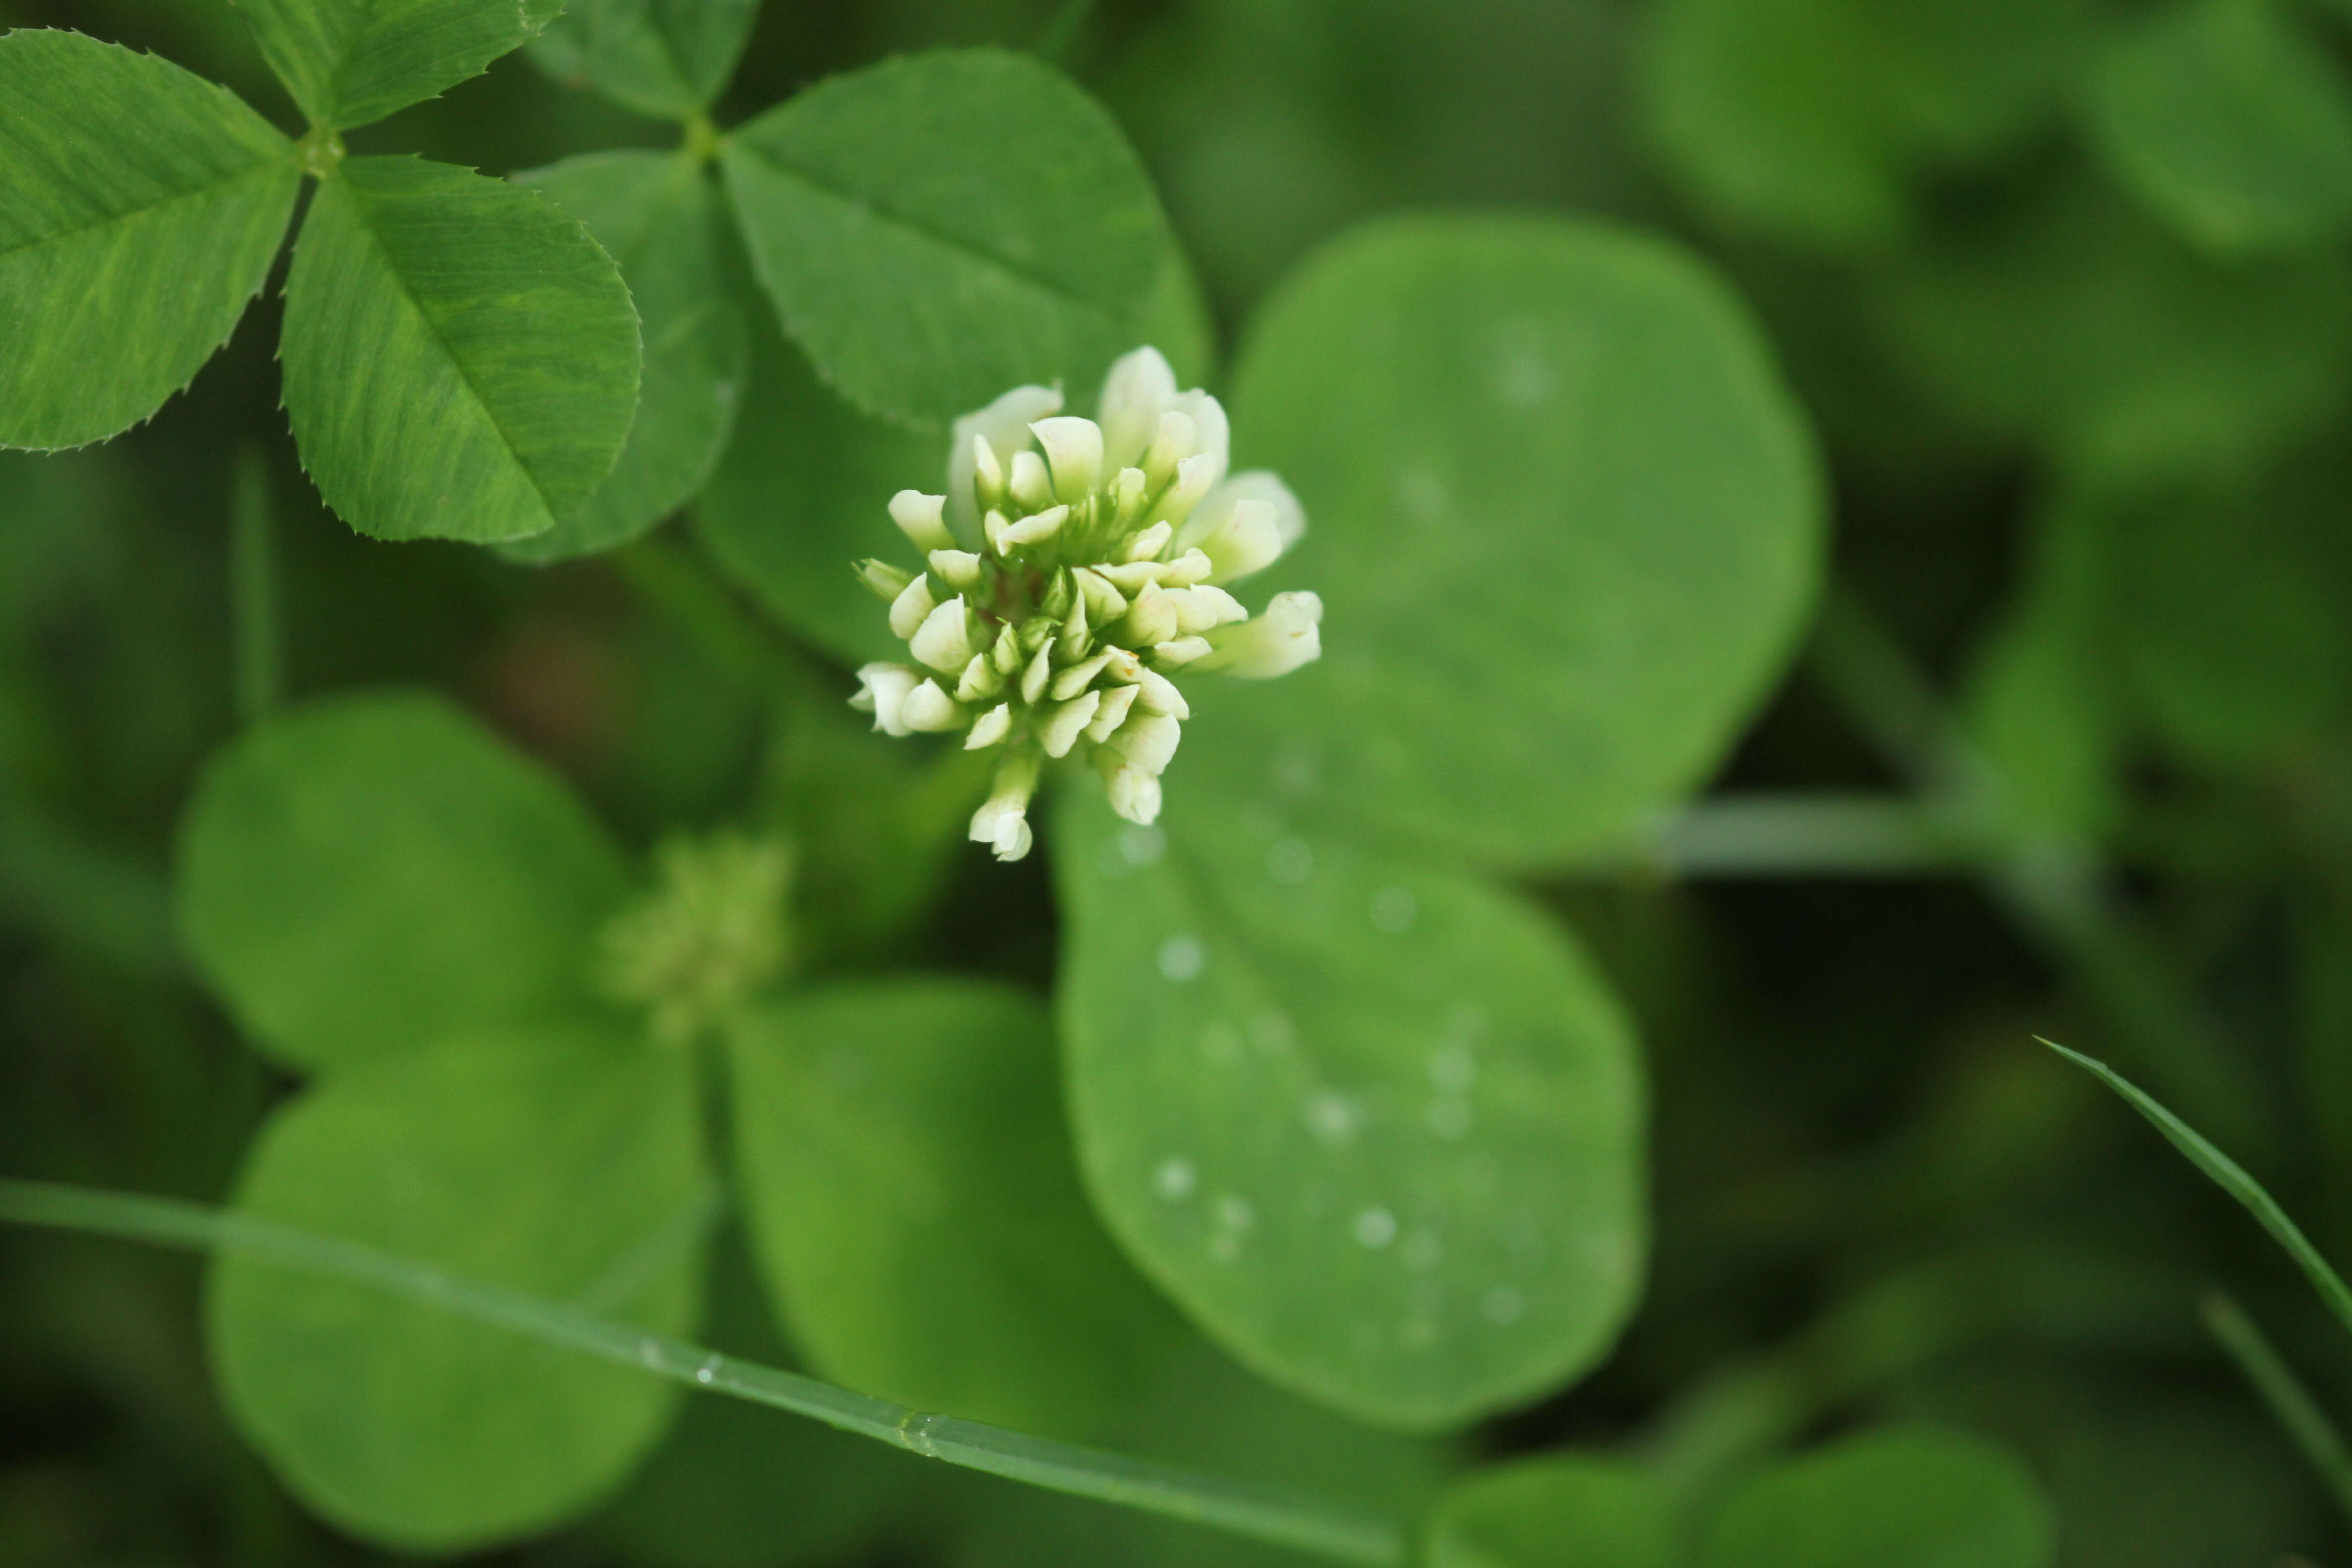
[[2065, 287]]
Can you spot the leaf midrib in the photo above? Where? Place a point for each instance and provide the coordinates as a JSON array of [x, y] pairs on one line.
[[890, 214], [130, 214], [440, 339]]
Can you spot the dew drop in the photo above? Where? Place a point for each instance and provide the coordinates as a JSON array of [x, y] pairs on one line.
[[1290, 861], [1375, 1228], [707, 1373], [1175, 1179], [1502, 1305], [1394, 911], [1422, 494], [1141, 845], [1422, 1250], [1274, 1034], [1448, 1117], [1235, 1212], [1182, 958], [1333, 1117], [1453, 1068]]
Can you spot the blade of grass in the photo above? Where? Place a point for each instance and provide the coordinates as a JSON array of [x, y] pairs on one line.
[[1242, 1508], [2227, 1174], [2297, 1411]]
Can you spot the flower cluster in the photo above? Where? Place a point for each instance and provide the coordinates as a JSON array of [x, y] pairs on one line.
[[1073, 569], [711, 932]]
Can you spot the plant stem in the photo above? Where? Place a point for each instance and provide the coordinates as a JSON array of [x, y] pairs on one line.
[[257, 628], [2297, 1410], [1796, 834], [2056, 888], [1264, 1513]]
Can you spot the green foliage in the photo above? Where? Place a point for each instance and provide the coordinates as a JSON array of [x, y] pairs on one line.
[[1556, 1512], [140, 210], [461, 359], [668, 58], [804, 490], [2231, 1178], [911, 1196], [2230, 123], [1896, 1498], [560, 1162], [352, 62], [935, 230], [2069, 322], [660, 219], [1376, 1127], [1562, 516], [366, 876], [1813, 118]]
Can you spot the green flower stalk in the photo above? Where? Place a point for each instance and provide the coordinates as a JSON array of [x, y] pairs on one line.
[[1073, 570]]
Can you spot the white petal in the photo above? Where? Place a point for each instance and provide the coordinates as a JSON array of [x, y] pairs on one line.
[[1274, 642], [1150, 618], [1171, 443], [1201, 608], [1196, 476], [1134, 794], [1250, 540], [944, 639], [882, 691], [1148, 741], [930, 708], [1139, 389], [959, 569], [1002, 820], [909, 611], [1005, 423], [923, 519], [1211, 435], [1255, 484], [990, 727], [1072, 680], [1068, 721], [979, 678], [1033, 530], [1032, 484], [1116, 701], [1074, 452], [1161, 695], [1180, 651]]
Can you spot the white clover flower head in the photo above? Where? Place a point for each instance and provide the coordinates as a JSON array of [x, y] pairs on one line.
[[712, 932], [1073, 569]]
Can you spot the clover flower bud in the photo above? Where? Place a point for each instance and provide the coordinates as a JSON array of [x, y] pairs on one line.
[[923, 518], [1001, 822], [944, 639], [912, 607], [882, 691], [886, 581], [712, 932], [959, 569], [1085, 558], [1274, 642], [927, 707]]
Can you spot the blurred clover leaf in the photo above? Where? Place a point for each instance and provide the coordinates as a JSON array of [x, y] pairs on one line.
[[379, 889], [668, 58]]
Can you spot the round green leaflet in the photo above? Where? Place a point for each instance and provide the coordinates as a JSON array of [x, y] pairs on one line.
[[140, 210], [1902, 1498], [937, 230], [1565, 521], [2230, 123], [461, 359], [366, 875], [909, 1184], [660, 219], [1377, 1127], [1555, 1511], [561, 1162]]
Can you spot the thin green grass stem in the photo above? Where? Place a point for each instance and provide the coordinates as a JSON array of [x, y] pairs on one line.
[[1264, 1513], [2289, 1401]]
